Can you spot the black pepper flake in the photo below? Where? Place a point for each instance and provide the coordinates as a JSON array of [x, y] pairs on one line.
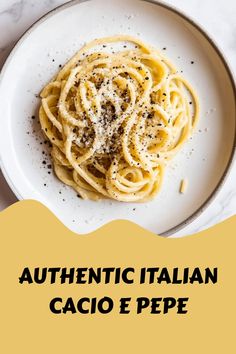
[[33, 117], [164, 94], [78, 196], [192, 62], [134, 209], [53, 60], [164, 48], [190, 102], [60, 66], [146, 78], [44, 162], [45, 185]]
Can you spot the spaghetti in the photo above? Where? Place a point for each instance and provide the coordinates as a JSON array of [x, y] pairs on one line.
[[115, 117]]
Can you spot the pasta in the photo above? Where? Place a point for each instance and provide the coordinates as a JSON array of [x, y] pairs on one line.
[[115, 114], [183, 186]]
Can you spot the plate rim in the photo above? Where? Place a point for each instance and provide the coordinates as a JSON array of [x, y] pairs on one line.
[[216, 48]]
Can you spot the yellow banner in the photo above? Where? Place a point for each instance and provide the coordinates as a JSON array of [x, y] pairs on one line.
[[120, 289]]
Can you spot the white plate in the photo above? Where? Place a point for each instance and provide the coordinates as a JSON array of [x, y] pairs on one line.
[[204, 160]]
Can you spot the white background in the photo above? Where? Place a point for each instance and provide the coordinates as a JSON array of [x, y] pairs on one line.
[[217, 17]]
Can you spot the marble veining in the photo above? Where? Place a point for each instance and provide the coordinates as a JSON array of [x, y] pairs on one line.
[[217, 17], [14, 11]]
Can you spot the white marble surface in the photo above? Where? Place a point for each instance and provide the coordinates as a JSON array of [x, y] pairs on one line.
[[217, 17]]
